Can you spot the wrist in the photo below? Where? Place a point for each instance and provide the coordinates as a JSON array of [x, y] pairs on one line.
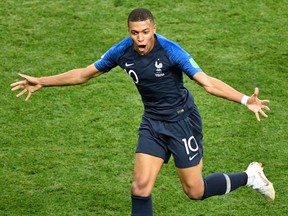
[[244, 100], [42, 81]]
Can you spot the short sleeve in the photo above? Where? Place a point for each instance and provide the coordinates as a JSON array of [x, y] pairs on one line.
[[110, 59], [179, 57]]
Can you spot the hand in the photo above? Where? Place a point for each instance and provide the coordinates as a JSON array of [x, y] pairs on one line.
[[29, 84], [256, 105]]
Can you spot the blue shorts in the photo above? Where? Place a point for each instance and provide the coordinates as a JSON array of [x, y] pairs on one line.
[[182, 139]]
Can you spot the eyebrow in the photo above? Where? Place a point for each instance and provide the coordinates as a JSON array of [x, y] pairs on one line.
[[140, 31]]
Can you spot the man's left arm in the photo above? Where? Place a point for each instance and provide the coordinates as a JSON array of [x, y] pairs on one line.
[[220, 89]]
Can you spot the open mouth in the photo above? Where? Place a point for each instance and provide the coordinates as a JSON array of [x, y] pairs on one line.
[[142, 49], [142, 46]]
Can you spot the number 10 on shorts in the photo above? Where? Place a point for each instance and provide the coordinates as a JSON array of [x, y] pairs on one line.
[[189, 145]]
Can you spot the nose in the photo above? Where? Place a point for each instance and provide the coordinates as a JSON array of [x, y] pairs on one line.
[[140, 37]]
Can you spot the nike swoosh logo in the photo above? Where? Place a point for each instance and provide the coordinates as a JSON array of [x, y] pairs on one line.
[[263, 179], [191, 158], [128, 65]]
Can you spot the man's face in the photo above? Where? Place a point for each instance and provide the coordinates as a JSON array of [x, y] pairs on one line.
[[142, 34]]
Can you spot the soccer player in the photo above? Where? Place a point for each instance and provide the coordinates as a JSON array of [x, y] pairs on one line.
[[171, 124]]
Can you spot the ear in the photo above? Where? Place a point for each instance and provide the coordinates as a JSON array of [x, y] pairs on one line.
[[155, 28]]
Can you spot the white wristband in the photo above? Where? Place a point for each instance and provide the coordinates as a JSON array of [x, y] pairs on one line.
[[244, 100]]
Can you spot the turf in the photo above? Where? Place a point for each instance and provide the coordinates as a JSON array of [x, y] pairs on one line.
[[70, 150]]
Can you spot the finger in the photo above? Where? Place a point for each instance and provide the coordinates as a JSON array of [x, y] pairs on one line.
[[14, 84], [265, 107], [257, 116], [265, 101], [16, 88], [28, 96], [22, 82], [256, 92], [23, 75], [21, 93], [263, 113]]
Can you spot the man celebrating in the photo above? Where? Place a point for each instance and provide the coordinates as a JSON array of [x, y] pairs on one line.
[[171, 123]]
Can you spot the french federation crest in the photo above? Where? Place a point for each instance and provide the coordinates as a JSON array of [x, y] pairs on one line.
[[159, 66]]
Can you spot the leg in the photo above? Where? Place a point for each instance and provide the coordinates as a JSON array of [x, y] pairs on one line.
[[146, 170], [215, 184], [151, 153], [192, 181]]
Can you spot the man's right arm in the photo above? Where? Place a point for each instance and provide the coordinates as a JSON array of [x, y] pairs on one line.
[[73, 77]]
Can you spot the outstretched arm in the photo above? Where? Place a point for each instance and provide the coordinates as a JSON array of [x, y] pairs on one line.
[[73, 77], [220, 89]]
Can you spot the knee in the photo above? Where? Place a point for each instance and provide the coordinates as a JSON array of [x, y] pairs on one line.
[[141, 187], [194, 193]]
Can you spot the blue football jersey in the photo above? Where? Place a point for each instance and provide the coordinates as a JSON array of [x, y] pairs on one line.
[[158, 76]]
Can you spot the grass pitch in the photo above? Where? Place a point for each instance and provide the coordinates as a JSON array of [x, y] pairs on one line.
[[70, 150]]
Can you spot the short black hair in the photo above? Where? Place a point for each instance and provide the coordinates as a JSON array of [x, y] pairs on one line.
[[140, 14]]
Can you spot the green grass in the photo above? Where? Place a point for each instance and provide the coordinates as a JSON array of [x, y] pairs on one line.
[[70, 151]]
